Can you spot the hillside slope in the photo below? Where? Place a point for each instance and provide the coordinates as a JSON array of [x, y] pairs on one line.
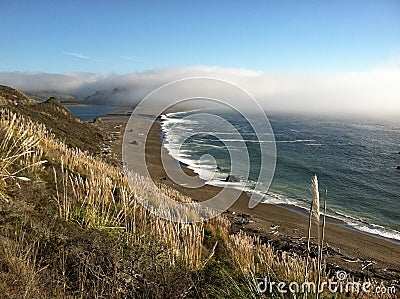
[[61, 122], [11, 96]]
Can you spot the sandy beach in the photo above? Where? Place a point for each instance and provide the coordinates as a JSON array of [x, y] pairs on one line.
[[358, 253]]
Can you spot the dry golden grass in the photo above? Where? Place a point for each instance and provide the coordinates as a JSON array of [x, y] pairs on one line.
[[20, 257], [19, 150]]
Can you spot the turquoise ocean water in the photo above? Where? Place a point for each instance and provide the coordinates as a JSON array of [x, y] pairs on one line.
[[355, 160]]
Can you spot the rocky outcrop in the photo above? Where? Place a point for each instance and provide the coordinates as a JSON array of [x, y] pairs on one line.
[[232, 179], [97, 120], [52, 100]]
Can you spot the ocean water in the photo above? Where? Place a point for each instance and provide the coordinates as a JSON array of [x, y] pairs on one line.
[[354, 160], [89, 112]]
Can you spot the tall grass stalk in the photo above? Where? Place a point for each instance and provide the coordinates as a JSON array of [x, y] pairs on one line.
[[317, 216], [308, 241], [321, 247]]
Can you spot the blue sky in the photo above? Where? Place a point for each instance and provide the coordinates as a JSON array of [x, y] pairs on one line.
[[299, 37]]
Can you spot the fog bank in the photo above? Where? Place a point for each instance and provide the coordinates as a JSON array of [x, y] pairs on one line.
[[370, 93]]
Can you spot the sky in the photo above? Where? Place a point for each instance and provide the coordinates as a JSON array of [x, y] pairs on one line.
[[289, 42]]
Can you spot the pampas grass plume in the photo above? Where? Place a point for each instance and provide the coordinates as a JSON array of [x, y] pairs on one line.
[[315, 193]]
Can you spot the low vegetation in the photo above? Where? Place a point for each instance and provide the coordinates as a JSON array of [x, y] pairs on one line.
[[72, 227]]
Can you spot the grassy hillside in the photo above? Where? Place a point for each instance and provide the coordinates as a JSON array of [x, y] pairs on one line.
[[12, 97], [66, 127], [72, 227]]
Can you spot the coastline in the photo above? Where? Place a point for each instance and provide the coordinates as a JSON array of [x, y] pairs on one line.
[[349, 249], [349, 242]]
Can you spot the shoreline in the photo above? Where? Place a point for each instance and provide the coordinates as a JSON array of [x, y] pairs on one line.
[[355, 251], [341, 219], [347, 241]]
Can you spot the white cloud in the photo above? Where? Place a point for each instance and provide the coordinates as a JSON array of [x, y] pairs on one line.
[[374, 92], [77, 55]]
